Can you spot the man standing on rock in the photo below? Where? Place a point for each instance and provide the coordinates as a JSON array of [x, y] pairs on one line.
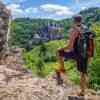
[[75, 50]]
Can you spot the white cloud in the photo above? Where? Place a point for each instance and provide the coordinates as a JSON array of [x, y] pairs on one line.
[[46, 11], [16, 10], [13, 6], [56, 9], [31, 10], [13, 1], [83, 8]]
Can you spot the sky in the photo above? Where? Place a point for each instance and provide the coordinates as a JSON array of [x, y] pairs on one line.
[[55, 9]]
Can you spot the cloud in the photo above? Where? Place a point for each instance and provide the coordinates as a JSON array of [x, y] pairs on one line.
[[31, 10], [56, 9], [13, 6], [46, 11], [27, 8], [83, 7], [13, 1], [16, 10]]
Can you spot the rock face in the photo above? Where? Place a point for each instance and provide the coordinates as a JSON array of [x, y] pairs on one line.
[[4, 21]]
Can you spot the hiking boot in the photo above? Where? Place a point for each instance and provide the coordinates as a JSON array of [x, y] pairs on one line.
[[58, 78], [80, 93]]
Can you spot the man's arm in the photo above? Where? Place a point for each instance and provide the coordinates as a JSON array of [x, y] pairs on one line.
[[70, 42]]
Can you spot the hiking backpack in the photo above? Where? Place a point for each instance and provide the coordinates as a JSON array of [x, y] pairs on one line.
[[86, 44]]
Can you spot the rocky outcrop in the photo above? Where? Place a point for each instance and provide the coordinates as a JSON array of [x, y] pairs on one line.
[[18, 85], [4, 22]]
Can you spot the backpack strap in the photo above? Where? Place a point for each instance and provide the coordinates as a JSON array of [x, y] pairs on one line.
[[79, 33]]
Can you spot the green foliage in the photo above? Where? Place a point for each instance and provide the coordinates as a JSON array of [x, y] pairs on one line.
[[23, 29], [35, 59], [45, 51], [71, 71], [91, 15], [94, 68], [21, 33]]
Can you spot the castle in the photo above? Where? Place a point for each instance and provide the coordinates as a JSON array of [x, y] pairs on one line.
[[52, 31]]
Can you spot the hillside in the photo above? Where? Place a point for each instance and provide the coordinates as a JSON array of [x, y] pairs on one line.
[[91, 15], [23, 29]]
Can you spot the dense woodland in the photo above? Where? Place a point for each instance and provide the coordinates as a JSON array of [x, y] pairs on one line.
[[41, 58]]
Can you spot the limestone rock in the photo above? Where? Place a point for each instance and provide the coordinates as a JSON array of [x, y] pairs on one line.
[[4, 21]]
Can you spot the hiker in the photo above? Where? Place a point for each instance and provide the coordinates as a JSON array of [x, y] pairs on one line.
[[77, 50]]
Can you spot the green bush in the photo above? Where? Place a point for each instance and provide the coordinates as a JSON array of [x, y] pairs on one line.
[[43, 65], [94, 68]]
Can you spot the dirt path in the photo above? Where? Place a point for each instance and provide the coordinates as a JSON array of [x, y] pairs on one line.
[[20, 85]]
